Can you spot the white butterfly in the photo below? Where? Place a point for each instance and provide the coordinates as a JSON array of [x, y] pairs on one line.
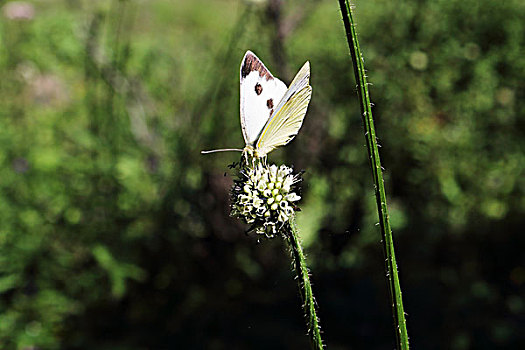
[[271, 114]]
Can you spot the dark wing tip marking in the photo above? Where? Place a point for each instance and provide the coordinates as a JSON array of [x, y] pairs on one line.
[[252, 63]]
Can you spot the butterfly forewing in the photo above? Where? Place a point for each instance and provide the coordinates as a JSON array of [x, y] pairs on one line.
[[289, 114], [260, 94], [300, 81]]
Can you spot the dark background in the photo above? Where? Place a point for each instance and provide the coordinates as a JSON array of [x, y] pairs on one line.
[[114, 230]]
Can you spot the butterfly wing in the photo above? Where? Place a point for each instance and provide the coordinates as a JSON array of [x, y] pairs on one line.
[[260, 93], [289, 114]]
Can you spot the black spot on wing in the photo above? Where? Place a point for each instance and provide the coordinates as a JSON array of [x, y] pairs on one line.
[[269, 103], [258, 89]]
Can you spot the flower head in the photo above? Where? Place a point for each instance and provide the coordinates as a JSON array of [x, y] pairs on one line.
[[264, 197]]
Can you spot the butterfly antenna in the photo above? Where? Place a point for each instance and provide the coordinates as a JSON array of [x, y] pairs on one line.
[[222, 150]]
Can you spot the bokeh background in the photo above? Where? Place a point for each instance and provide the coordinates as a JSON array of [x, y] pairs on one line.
[[114, 230]]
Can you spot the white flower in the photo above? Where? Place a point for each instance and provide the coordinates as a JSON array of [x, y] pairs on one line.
[[261, 186], [273, 171], [263, 197], [282, 217], [257, 202], [292, 197]]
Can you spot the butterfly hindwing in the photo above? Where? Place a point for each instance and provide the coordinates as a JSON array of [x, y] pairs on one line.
[[289, 114], [260, 94]]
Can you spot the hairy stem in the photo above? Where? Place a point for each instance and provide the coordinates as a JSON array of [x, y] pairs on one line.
[[375, 163], [305, 288]]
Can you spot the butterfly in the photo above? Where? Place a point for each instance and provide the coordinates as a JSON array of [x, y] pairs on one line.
[[271, 113]]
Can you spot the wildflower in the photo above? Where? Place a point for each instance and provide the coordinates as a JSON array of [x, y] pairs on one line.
[[19, 10], [264, 197]]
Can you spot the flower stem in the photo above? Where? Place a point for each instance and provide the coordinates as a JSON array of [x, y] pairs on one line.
[[305, 288], [375, 163]]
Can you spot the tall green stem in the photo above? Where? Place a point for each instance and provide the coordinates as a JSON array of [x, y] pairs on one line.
[[375, 163], [307, 296]]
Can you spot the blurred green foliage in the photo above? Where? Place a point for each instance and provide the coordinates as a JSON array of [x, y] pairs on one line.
[[114, 230]]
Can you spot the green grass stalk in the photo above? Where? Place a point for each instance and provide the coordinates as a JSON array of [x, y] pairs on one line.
[[375, 163], [305, 287]]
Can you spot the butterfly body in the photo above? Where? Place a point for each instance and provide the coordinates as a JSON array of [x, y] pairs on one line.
[[271, 113]]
